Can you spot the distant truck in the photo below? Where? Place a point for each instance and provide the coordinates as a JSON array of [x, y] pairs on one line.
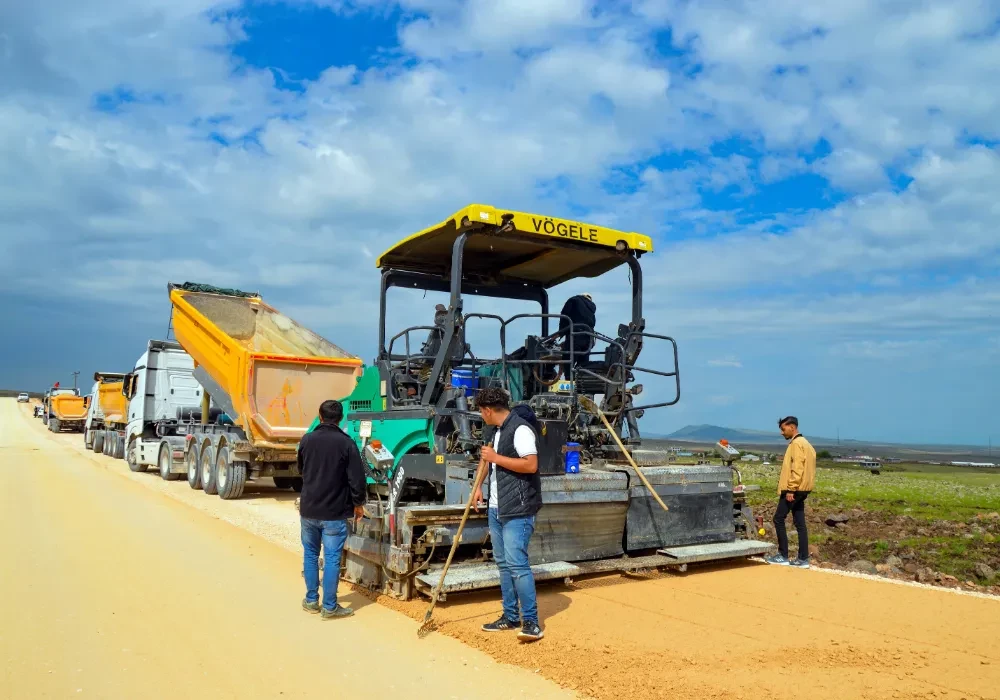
[[265, 374], [162, 394], [65, 409], [104, 430]]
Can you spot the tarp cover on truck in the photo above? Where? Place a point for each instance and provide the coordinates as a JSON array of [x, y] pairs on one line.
[[209, 289]]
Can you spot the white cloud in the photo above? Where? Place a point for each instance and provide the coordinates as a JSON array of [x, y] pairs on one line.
[[555, 106], [491, 25], [853, 170], [885, 349], [728, 361]]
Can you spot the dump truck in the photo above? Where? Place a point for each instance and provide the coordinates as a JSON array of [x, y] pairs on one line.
[[107, 409], [413, 416], [162, 394], [264, 377], [65, 409]]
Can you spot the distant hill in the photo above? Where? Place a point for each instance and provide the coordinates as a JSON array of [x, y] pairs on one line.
[[708, 435], [713, 433]]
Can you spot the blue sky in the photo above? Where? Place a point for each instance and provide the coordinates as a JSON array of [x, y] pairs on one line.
[[821, 180]]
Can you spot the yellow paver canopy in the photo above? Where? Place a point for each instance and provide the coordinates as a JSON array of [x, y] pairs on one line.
[[532, 248]]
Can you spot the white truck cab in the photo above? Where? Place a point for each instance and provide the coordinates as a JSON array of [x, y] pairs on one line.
[[160, 390]]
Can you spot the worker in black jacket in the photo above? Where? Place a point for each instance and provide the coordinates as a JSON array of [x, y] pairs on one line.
[[333, 492]]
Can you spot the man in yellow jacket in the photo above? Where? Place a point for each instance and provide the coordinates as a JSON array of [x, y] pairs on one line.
[[798, 477]]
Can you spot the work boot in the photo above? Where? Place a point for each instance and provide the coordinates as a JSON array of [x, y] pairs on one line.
[[779, 559], [530, 632], [501, 625], [310, 607], [337, 613]]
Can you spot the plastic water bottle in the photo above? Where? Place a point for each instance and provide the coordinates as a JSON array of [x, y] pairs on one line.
[[573, 458]]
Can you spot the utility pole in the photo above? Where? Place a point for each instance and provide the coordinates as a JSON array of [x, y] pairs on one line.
[[75, 374]]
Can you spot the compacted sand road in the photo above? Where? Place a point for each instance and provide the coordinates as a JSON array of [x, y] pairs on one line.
[[110, 590], [117, 582]]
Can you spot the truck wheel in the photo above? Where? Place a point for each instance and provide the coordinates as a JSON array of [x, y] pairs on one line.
[[194, 473], [165, 461], [120, 442], [112, 440], [88, 439], [296, 483], [98, 445], [132, 454], [230, 476], [208, 474], [54, 425], [282, 482]]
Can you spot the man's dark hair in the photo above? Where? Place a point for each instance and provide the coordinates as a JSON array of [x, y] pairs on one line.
[[331, 412], [493, 397], [788, 420]]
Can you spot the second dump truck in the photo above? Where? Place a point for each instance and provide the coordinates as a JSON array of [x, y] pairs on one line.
[[264, 377], [106, 413], [65, 409]]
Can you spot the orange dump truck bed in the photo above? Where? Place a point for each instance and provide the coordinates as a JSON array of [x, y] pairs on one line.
[[266, 371], [67, 407], [114, 405]]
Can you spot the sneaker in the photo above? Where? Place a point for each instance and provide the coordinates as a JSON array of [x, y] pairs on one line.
[[501, 625], [530, 632], [336, 613], [799, 563], [310, 607], [777, 559]]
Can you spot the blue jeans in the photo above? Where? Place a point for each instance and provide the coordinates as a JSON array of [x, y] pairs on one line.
[[332, 534], [510, 549]]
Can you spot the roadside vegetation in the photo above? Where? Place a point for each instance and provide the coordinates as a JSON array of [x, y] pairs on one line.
[[936, 524]]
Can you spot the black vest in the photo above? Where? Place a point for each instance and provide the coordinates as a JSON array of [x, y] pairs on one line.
[[518, 495]]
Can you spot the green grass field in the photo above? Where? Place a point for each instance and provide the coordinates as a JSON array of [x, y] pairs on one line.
[[931, 492], [934, 514]]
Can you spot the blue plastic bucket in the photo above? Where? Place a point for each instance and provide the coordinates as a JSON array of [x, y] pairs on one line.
[[572, 458], [465, 378]]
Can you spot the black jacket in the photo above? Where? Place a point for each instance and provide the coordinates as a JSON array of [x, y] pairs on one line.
[[333, 480], [518, 495]]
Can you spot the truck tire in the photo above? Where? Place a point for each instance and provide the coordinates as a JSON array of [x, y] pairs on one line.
[[54, 425], [112, 440], [88, 439], [282, 482], [98, 445], [230, 476], [207, 468], [120, 454], [132, 453], [192, 463], [165, 461], [296, 483]]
